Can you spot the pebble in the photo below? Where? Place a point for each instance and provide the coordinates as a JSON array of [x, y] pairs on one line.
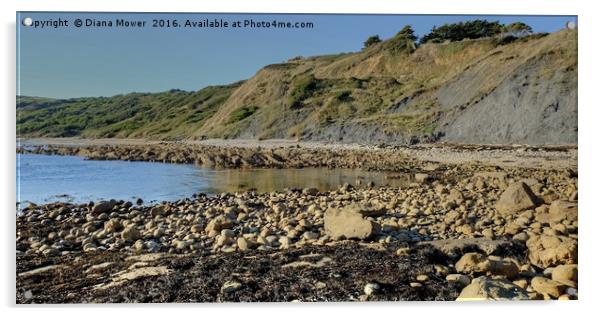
[[371, 288], [435, 209], [231, 287]]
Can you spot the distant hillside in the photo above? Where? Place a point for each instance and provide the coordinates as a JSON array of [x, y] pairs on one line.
[[471, 91], [172, 115]]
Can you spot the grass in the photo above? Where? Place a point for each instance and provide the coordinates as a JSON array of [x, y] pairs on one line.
[[242, 113], [302, 89], [162, 115]]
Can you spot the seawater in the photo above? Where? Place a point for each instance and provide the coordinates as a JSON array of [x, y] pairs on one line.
[[51, 178]]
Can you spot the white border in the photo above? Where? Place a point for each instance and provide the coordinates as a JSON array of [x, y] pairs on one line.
[[589, 144]]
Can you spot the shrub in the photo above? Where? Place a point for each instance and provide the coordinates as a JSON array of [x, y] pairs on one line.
[[344, 96], [302, 89], [463, 30], [242, 113], [372, 40], [518, 29], [403, 42]]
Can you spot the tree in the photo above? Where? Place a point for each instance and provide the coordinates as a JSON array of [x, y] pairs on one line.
[[407, 32], [463, 30], [372, 40], [403, 42], [518, 29]]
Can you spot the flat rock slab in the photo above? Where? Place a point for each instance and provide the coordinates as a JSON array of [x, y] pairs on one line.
[[307, 264], [147, 257], [42, 270], [457, 247]]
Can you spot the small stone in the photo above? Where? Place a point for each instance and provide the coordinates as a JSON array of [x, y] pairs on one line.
[[571, 291], [422, 278], [522, 283], [422, 177], [404, 251], [197, 228], [371, 288], [522, 237], [310, 235], [488, 232], [112, 225], [130, 233], [182, 244], [157, 210], [231, 287], [242, 243], [458, 278], [228, 233], [564, 297], [157, 233], [311, 191]]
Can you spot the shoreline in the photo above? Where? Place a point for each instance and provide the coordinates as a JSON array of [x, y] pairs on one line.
[[292, 154], [455, 228]]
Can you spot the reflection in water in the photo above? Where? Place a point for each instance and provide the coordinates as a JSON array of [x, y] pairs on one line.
[[45, 179], [267, 180]]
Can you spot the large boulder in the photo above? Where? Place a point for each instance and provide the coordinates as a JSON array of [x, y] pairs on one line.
[[472, 263], [546, 286], [103, 207], [565, 274], [476, 263], [517, 197], [559, 211], [457, 247], [546, 251], [349, 223], [483, 288]]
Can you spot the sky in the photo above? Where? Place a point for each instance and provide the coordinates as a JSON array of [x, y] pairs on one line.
[[69, 61]]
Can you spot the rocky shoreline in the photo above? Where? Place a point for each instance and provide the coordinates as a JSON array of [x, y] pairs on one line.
[[288, 154], [458, 231]]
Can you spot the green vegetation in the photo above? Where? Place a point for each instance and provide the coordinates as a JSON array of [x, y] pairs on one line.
[[392, 85], [463, 30], [302, 89], [167, 115], [372, 40], [508, 39], [242, 113], [403, 42], [518, 28], [344, 96]]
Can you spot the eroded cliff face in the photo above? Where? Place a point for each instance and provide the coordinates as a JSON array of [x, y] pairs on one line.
[[525, 108], [461, 92], [473, 91]]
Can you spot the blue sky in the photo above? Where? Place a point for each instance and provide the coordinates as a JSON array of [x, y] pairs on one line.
[[69, 62]]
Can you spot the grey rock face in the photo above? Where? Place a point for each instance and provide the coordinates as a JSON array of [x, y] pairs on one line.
[[525, 108]]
